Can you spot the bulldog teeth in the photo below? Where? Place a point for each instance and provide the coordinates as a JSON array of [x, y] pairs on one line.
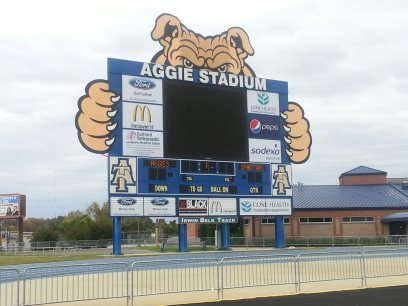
[[289, 153], [284, 116], [287, 140], [286, 128]]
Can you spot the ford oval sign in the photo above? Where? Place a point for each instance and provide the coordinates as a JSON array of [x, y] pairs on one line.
[[141, 83], [159, 201], [127, 201]]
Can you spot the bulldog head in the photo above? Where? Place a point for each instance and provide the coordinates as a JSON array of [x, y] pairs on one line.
[[182, 47]]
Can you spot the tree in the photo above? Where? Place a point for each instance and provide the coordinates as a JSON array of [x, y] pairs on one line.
[[45, 233], [207, 230], [141, 224], [34, 224], [170, 229]]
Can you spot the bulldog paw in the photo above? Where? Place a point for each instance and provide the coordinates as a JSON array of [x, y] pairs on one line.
[[298, 136], [95, 118]]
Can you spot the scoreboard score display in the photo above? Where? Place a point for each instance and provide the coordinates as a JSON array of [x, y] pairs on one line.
[[200, 145]]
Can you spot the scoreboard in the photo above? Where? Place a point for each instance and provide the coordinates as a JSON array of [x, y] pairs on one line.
[[168, 176], [199, 145]]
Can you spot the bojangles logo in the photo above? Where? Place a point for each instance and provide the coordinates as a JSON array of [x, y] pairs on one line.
[[281, 180]]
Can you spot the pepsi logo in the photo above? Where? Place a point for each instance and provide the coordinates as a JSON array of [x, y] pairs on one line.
[[141, 83], [255, 126]]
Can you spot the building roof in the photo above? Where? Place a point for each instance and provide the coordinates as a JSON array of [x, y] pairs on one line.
[[401, 188], [362, 170], [349, 197]]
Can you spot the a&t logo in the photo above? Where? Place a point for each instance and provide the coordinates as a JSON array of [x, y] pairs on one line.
[[281, 183], [122, 175]]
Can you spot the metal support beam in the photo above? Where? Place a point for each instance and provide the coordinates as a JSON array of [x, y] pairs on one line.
[[279, 233], [117, 235], [182, 233]]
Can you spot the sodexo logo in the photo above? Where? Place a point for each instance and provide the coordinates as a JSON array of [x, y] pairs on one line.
[[263, 98], [246, 206], [255, 126], [266, 150], [159, 201], [141, 83], [126, 201]]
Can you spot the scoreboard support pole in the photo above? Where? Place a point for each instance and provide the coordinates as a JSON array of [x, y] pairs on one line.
[[279, 232], [225, 236], [182, 231], [117, 236]]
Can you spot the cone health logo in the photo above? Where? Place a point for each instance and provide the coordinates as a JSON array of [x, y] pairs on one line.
[[263, 98], [255, 126], [246, 206]]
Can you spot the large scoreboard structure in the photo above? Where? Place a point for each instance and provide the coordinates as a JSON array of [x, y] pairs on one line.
[[199, 145]]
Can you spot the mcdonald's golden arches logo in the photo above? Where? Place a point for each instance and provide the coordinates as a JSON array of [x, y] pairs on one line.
[[216, 207], [142, 110]]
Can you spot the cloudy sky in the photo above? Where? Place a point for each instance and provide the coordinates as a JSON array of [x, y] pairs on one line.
[[346, 63]]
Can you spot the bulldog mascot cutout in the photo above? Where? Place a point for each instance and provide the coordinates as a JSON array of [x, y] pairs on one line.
[[181, 46]]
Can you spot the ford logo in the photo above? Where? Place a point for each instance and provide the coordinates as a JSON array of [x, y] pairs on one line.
[[159, 201], [142, 83], [127, 201]]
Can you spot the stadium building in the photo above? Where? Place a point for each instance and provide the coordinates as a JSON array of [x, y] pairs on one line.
[[364, 204]]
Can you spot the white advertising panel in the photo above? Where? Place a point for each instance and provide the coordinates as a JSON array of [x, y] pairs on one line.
[[260, 102], [126, 206], [142, 143], [281, 180], [122, 174], [140, 89], [142, 116], [264, 150], [193, 207], [278, 207], [159, 206], [265, 207], [222, 207]]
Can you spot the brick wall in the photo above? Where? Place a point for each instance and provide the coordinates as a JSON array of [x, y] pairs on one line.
[[363, 180], [336, 228]]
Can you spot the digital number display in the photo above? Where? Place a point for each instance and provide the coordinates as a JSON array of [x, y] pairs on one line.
[[206, 167], [159, 163], [252, 167], [199, 177]]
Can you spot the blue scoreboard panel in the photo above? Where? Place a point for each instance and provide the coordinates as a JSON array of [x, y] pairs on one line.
[[203, 177], [197, 143]]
